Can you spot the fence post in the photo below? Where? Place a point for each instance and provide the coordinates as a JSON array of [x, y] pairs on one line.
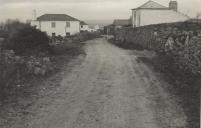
[[1, 70]]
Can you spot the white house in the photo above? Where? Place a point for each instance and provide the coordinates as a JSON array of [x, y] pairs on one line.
[[94, 28], [155, 13], [84, 26], [57, 24]]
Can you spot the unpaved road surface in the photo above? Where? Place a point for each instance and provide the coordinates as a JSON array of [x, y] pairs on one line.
[[109, 88]]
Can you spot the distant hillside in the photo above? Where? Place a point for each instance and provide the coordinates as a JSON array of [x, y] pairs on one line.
[[99, 22]]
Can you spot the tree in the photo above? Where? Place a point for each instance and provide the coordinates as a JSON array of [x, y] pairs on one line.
[[25, 38]]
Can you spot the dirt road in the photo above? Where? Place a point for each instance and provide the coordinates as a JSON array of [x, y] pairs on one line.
[[108, 89]]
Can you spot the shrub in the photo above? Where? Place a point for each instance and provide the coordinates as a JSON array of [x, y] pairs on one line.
[[178, 48], [3, 34], [12, 26], [27, 39], [181, 43]]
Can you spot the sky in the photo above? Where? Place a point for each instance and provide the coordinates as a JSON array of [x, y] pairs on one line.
[[102, 10]]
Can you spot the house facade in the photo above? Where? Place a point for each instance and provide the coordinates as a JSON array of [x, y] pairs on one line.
[[84, 26], [57, 24], [154, 13], [119, 23], [109, 30], [94, 28]]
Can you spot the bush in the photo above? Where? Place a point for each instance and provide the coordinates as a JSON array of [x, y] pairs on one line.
[[12, 26], [179, 42], [178, 48], [11, 68], [27, 39], [3, 34]]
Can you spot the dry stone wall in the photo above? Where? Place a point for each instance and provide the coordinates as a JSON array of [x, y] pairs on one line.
[[181, 41]]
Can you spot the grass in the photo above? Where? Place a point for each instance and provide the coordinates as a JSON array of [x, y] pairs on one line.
[[126, 45], [183, 85], [17, 101]]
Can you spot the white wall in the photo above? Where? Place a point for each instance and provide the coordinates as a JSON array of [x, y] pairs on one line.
[[74, 27], [35, 24], [85, 28], [96, 27], [133, 17], [148, 17], [136, 17], [60, 28]]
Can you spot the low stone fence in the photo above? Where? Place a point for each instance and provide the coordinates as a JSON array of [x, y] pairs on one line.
[[80, 37], [181, 41], [14, 69]]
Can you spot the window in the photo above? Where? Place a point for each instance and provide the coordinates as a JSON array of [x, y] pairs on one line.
[[81, 26], [68, 24], [53, 34], [53, 24], [67, 34]]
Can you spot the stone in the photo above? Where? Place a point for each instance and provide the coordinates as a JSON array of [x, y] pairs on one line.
[[43, 72], [46, 59], [37, 71], [169, 44], [37, 63]]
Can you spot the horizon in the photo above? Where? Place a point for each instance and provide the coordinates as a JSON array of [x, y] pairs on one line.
[[95, 11]]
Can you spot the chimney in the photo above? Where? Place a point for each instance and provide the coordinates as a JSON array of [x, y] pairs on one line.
[[34, 14], [173, 5]]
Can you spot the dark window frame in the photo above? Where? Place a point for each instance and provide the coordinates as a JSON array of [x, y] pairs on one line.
[[53, 24], [68, 24]]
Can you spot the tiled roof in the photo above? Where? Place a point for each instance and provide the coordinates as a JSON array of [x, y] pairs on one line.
[[83, 23], [199, 16], [122, 22], [152, 5], [56, 17], [92, 26]]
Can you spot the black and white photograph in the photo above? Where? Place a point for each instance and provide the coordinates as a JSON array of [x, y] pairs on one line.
[[100, 63]]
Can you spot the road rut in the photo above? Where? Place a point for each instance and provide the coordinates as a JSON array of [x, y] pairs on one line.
[[110, 89]]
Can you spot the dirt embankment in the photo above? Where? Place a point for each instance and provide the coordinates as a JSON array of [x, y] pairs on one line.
[[183, 86]]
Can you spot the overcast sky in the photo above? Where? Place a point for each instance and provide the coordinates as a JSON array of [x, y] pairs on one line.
[[84, 9]]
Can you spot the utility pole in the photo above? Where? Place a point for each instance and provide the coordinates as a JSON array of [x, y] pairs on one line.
[[198, 15], [34, 14]]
